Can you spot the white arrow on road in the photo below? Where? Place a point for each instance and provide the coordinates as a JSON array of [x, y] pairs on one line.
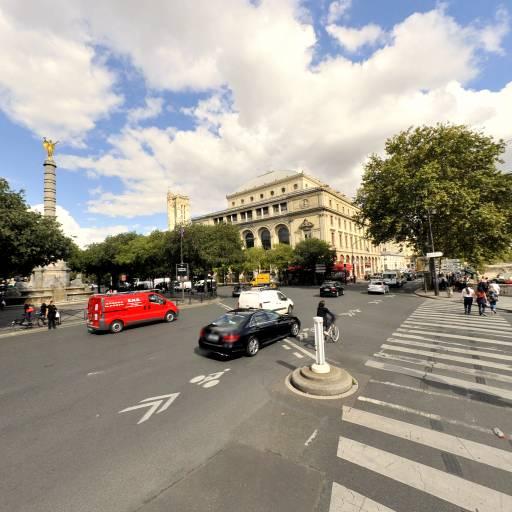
[[153, 403]]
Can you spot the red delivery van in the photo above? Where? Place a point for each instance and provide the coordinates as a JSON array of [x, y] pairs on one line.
[[114, 312]]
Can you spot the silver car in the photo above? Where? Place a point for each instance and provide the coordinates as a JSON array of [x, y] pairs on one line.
[[378, 287]]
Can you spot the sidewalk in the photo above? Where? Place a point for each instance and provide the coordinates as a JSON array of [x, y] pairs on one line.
[[504, 302]]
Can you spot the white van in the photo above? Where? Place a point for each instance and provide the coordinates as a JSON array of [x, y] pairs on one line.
[[274, 300], [393, 278]]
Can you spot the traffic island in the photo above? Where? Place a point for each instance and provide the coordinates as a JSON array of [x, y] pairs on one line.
[[336, 383], [321, 380]]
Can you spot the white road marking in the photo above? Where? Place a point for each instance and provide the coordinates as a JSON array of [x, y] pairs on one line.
[[300, 349], [444, 348], [447, 357], [347, 500], [470, 450], [449, 343], [492, 332], [297, 354], [153, 403], [448, 487], [456, 336], [286, 347], [208, 381], [441, 366], [375, 302], [463, 320], [311, 438], [442, 379], [225, 306], [423, 414], [95, 373], [418, 390], [459, 315]]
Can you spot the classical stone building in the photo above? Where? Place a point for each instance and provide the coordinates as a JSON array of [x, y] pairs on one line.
[[178, 210], [289, 206]]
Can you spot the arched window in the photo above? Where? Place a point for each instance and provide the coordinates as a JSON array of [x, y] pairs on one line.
[[265, 239], [249, 239], [283, 235]]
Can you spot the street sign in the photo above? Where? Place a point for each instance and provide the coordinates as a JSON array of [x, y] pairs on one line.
[[154, 403], [182, 269], [434, 254]]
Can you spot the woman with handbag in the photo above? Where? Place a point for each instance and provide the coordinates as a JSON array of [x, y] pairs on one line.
[[481, 300]]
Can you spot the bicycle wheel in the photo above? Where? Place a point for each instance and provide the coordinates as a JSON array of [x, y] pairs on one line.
[[334, 333], [40, 322]]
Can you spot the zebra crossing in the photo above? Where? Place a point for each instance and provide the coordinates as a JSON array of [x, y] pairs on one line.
[[395, 437]]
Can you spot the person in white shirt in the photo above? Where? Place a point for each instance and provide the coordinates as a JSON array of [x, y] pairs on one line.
[[495, 287], [468, 294]]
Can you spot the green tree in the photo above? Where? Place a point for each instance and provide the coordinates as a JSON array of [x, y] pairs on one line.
[[311, 251], [281, 257], [446, 173], [27, 239], [256, 258]]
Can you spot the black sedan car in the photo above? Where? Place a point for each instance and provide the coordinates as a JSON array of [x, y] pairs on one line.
[[246, 331], [331, 289]]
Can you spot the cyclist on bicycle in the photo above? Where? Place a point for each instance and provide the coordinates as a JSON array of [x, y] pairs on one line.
[[328, 316]]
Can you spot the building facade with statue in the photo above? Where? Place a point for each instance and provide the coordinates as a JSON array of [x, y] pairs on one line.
[[290, 206]]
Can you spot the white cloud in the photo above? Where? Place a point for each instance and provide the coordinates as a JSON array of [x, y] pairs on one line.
[[152, 109], [355, 38], [267, 106], [492, 35], [338, 10], [83, 236], [51, 83]]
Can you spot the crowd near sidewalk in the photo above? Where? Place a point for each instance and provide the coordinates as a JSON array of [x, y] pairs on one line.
[[503, 302]]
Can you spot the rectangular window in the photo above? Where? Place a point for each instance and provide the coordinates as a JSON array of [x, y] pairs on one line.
[[275, 209], [265, 211], [332, 239], [234, 217], [346, 240], [345, 224], [249, 215], [284, 207], [242, 216], [332, 220], [341, 241], [258, 212], [339, 222], [330, 203]]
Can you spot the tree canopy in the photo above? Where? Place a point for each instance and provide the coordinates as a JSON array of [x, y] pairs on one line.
[[311, 251], [27, 239], [447, 173]]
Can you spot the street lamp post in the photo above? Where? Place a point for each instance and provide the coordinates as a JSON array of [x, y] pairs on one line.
[[432, 261]]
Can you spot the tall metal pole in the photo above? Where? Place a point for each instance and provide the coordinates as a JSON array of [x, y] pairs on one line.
[[432, 261], [181, 259]]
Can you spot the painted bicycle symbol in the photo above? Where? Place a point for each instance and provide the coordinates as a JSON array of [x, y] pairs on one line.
[[208, 381]]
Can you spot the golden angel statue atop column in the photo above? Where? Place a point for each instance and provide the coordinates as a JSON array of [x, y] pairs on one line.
[[49, 145]]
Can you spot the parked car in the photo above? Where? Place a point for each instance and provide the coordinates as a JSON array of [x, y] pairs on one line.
[[331, 289], [115, 312], [378, 287], [180, 285], [273, 300], [246, 331]]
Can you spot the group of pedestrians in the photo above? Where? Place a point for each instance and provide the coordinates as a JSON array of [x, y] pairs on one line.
[[47, 312], [486, 295]]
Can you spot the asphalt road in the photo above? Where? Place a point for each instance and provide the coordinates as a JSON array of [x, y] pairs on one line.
[[233, 437]]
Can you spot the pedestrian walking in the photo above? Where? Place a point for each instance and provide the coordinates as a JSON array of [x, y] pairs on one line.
[[493, 299], [28, 309], [2, 303], [51, 314], [495, 287], [481, 300], [468, 294]]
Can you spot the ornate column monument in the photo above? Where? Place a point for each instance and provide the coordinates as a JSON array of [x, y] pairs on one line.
[[50, 179]]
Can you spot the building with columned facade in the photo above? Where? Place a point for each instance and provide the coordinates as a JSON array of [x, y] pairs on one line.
[[289, 206]]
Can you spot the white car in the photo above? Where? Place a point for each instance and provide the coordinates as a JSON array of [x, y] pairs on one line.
[[378, 287], [273, 300]]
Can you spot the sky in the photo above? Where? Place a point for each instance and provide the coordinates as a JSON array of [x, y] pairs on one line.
[[201, 96]]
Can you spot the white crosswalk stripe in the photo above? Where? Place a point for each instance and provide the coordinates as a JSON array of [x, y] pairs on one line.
[[436, 344], [453, 489]]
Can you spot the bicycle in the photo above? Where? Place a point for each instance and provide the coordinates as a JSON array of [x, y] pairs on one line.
[[332, 334], [41, 320]]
